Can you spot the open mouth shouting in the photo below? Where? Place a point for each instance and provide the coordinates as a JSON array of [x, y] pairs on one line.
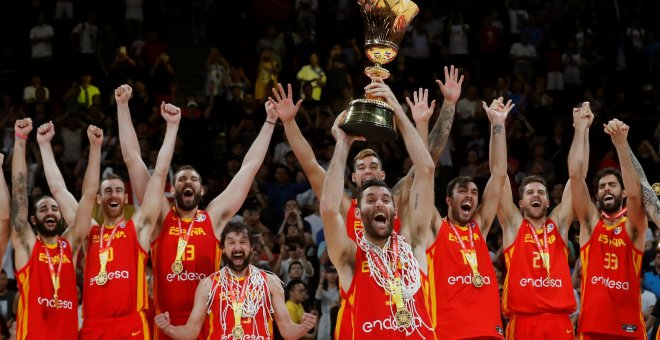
[[238, 258], [466, 208], [188, 193], [50, 222], [536, 203], [608, 198]]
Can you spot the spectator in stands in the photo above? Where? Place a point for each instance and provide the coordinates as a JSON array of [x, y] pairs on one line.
[[41, 38]]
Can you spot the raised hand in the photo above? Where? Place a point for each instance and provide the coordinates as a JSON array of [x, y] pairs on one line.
[[283, 103], [421, 111], [308, 321], [379, 89], [162, 320], [451, 89], [271, 113], [497, 111], [95, 135], [170, 113], [617, 130], [123, 94], [340, 135], [45, 133], [23, 127]]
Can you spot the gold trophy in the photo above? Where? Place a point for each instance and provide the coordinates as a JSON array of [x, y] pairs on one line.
[[385, 23]]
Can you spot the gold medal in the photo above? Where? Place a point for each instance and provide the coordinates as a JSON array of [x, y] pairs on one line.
[[477, 280], [237, 332], [177, 267], [403, 318], [101, 278], [656, 188], [57, 301]]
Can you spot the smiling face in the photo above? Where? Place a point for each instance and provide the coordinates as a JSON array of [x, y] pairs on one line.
[[463, 200], [367, 168], [112, 197], [534, 200], [236, 250], [47, 217], [610, 194], [188, 189], [376, 210]]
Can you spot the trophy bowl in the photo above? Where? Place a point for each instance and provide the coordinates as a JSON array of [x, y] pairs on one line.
[[385, 24]]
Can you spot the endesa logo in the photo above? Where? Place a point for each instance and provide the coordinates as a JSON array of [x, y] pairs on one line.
[[465, 280], [185, 276], [50, 303], [541, 282], [609, 283], [117, 274], [387, 324]]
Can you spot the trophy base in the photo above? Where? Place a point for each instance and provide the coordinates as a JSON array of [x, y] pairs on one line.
[[370, 118]]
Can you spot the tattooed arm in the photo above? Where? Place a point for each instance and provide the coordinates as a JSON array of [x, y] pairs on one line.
[[23, 238], [649, 198]]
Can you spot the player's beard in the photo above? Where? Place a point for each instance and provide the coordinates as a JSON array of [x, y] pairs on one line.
[[528, 212], [45, 231], [230, 262], [181, 203], [614, 207], [372, 231]]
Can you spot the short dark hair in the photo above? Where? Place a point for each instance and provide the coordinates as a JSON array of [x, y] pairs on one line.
[[187, 167], [39, 199], [294, 243], [295, 262], [111, 176], [532, 179], [373, 182], [604, 172], [294, 283], [460, 181], [239, 228]]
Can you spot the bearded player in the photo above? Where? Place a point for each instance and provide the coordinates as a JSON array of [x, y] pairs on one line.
[[461, 273], [367, 163], [538, 295], [239, 291], [185, 246], [48, 303], [612, 236], [381, 274], [115, 294]]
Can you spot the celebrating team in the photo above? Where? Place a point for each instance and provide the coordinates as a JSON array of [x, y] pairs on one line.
[[404, 269]]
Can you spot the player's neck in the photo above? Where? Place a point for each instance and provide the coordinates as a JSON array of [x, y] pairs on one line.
[[537, 223], [110, 221], [240, 273], [456, 223], [378, 242], [49, 240], [186, 213]]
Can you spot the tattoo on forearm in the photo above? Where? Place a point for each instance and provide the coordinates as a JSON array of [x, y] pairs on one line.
[[497, 129], [416, 200], [19, 213], [649, 198], [440, 133]]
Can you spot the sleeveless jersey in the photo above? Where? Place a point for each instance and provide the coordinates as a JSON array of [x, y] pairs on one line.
[[257, 327], [176, 293], [125, 291], [365, 311], [527, 287], [354, 224], [456, 302], [611, 300], [38, 316]]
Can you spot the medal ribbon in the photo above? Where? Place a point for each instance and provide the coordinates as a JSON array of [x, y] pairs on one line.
[[616, 216], [544, 251], [470, 254], [54, 276], [237, 304], [104, 250], [183, 238], [396, 284]]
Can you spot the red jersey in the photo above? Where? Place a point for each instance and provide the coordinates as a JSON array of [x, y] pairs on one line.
[[221, 314], [38, 315], [354, 224], [366, 311], [175, 293], [456, 302], [528, 289], [611, 302], [125, 291]]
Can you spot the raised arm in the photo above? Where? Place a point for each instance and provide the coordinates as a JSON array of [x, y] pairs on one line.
[[340, 248], [56, 184], [23, 238], [286, 110], [288, 329], [77, 232], [4, 210], [490, 201], [224, 206], [618, 130], [585, 211], [146, 217], [421, 112], [649, 198], [193, 326]]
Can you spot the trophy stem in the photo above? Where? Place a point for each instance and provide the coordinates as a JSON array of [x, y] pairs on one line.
[[377, 71]]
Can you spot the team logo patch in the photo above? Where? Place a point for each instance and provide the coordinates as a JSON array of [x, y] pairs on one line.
[[551, 226], [200, 218], [122, 225], [617, 230], [63, 244]]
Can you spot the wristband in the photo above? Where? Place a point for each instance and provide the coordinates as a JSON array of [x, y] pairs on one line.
[[268, 121], [23, 137]]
